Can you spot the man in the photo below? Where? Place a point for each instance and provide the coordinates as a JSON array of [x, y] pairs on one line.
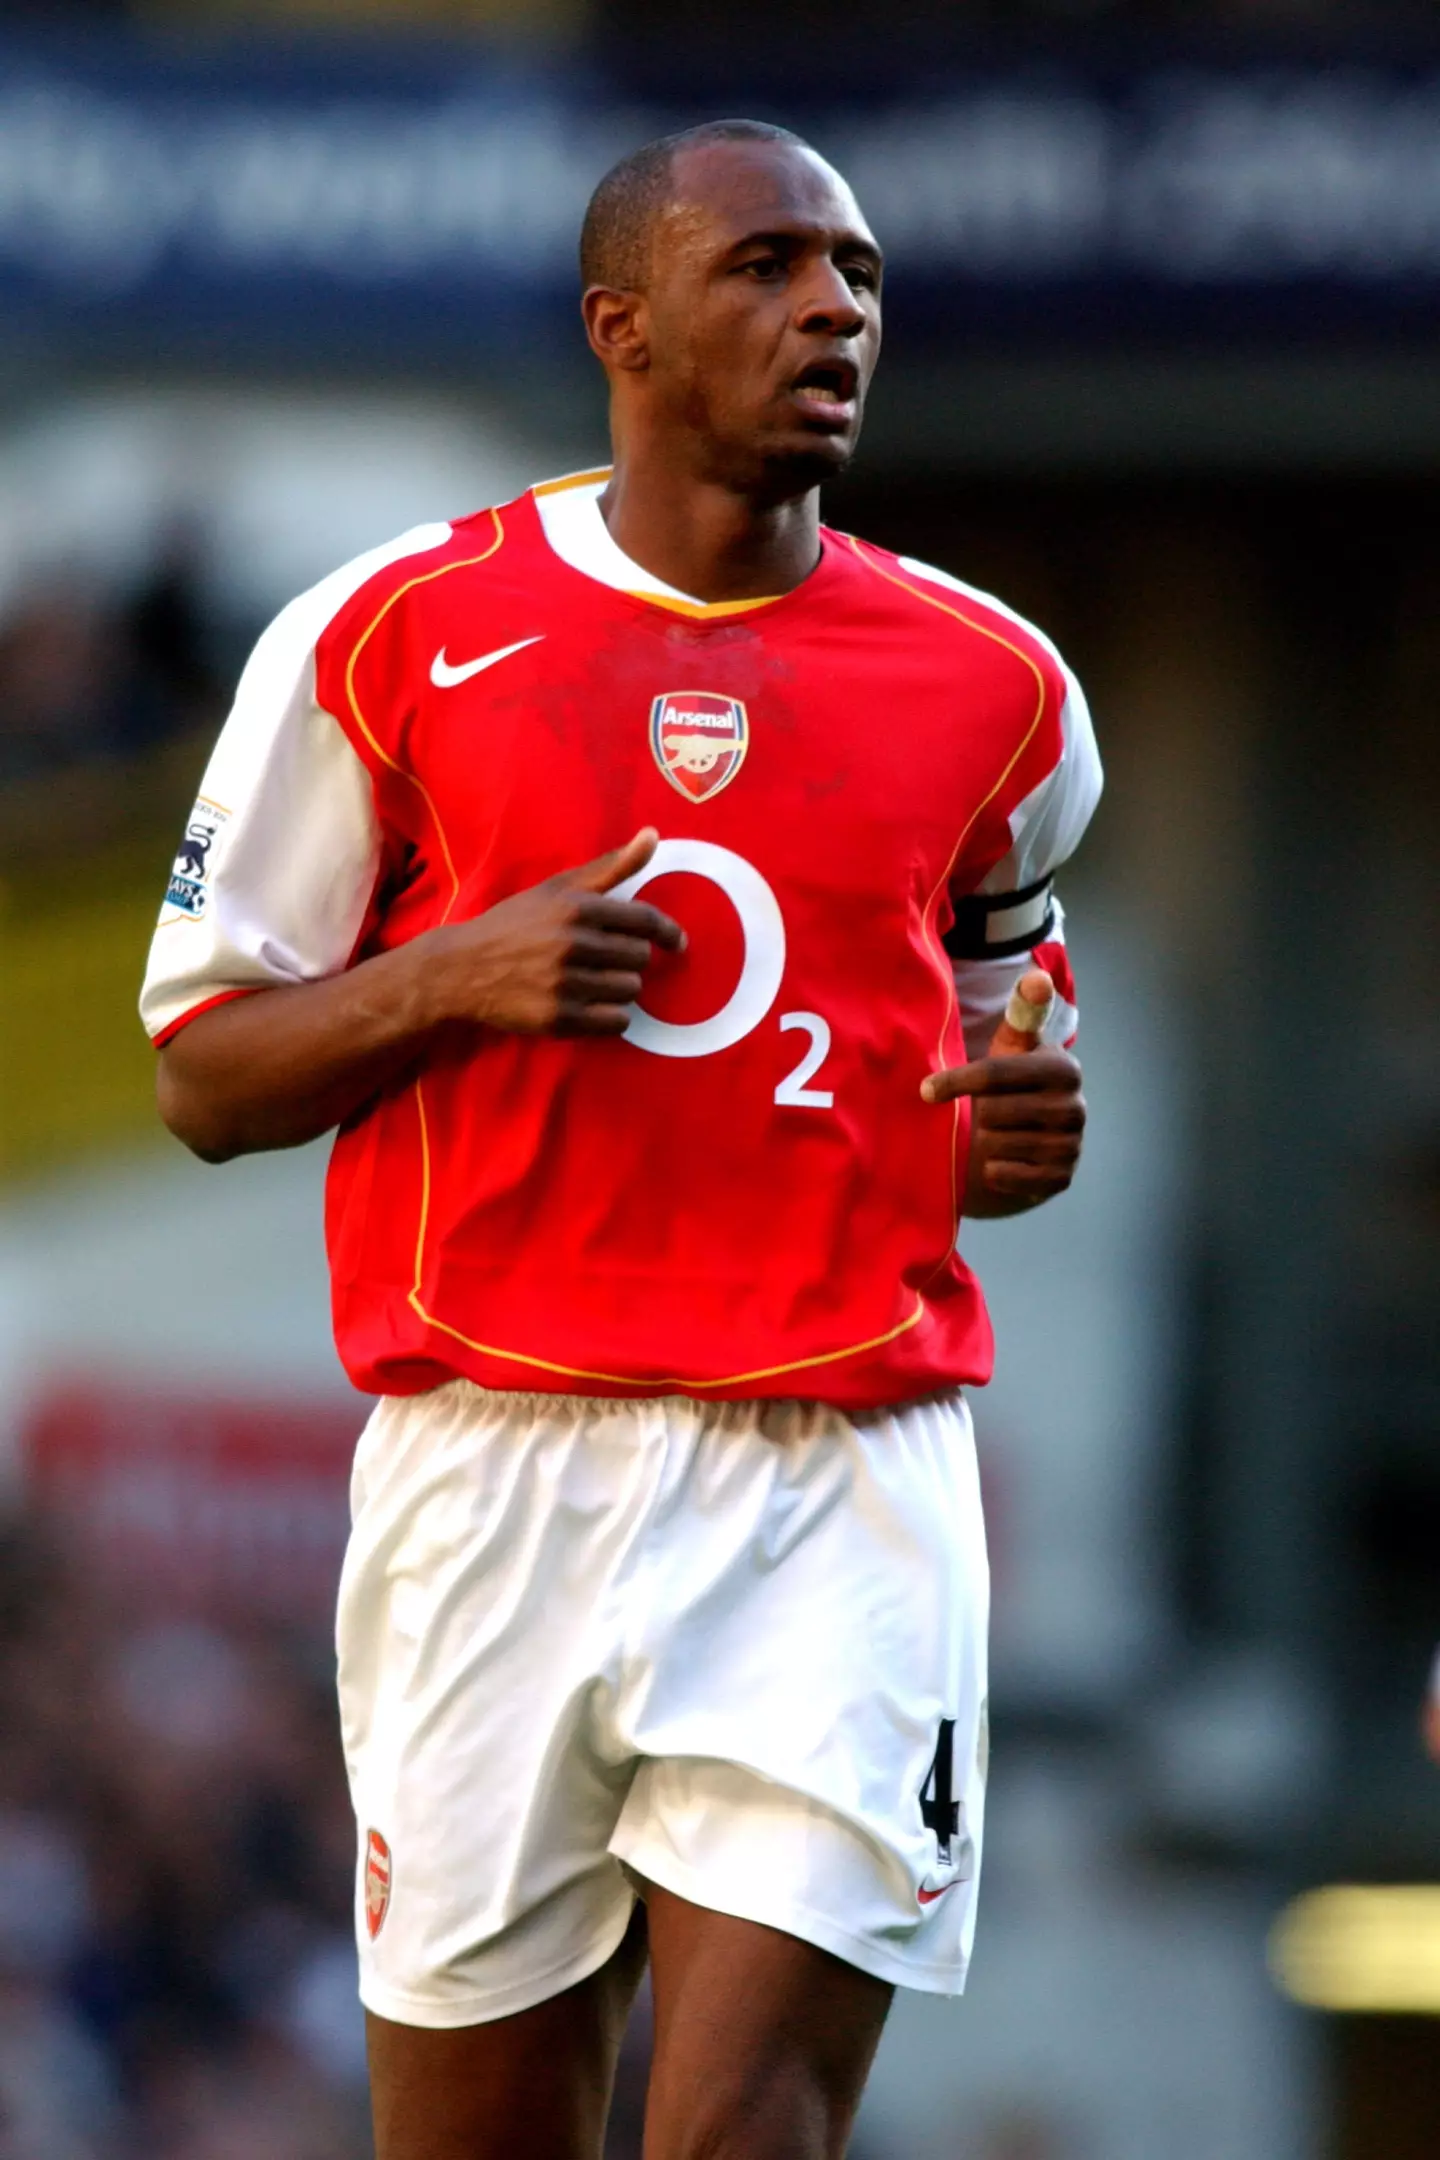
[[667, 1575]]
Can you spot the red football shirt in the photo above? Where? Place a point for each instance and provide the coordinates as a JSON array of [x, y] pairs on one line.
[[745, 1195]]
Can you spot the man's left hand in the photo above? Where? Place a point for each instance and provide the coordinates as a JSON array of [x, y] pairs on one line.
[[1026, 1127]]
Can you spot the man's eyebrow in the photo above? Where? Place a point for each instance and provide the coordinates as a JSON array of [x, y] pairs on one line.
[[785, 238]]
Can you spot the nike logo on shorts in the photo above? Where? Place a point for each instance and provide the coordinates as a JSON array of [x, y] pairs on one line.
[[445, 677], [928, 1897]]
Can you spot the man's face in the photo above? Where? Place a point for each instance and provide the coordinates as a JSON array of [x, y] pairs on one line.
[[763, 313]]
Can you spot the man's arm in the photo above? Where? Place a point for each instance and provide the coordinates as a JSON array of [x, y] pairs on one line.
[[279, 1067], [1028, 1111]]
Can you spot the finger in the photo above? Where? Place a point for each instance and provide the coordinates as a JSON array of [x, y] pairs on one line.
[[577, 1019], [1030, 1005], [600, 986], [1019, 1178], [1024, 1113], [1036, 986], [613, 868], [1057, 1153], [1028, 1146], [1032, 1072], [630, 918], [600, 949]]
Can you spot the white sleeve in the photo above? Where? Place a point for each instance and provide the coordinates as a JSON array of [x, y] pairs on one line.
[[1013, 920], [282, 850], [983, 988]]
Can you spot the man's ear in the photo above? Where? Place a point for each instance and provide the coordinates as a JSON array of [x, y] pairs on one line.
[[618, 327]]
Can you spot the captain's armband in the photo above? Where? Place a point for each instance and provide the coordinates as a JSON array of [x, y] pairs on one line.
[[997, 926]]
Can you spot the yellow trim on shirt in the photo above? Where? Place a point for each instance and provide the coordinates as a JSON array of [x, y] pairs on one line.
[[952, 1002], [572, 480], [425, 578], [668, 1382], [701, 610], [705, 608]]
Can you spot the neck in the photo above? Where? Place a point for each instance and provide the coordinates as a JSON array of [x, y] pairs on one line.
[[705, 539]]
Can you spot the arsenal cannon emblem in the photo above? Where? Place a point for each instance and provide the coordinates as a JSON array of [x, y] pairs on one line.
[[699, 740]]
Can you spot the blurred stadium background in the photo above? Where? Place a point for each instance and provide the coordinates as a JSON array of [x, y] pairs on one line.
[[1164, 370]]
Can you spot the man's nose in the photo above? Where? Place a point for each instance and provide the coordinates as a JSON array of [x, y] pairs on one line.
[[829, 302]]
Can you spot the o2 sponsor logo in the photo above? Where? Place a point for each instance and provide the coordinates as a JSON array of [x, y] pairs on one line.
[[749, 1003]]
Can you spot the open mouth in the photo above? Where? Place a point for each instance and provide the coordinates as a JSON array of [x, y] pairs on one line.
[[826, 390]]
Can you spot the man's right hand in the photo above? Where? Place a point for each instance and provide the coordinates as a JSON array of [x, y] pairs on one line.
[[562, 958], [282, 1066]]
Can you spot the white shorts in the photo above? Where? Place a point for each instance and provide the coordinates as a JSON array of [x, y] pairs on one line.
[[736, 1649]]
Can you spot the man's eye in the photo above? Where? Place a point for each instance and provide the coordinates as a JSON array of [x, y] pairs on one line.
[[860, 277], [764, 266]]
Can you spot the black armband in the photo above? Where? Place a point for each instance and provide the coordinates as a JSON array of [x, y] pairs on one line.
[[997, 926]]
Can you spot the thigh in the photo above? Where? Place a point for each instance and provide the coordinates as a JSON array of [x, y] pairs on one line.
[[475, 1627], [536, 2084], [811, 1727], [762, 2042]]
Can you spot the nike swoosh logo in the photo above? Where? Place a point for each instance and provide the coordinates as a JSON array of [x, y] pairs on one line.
[[445, 677], [928, 1897]]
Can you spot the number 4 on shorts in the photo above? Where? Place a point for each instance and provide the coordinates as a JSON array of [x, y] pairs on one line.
[[939, 1809]]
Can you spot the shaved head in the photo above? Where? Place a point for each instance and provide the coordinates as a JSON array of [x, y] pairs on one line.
[[619, 224]]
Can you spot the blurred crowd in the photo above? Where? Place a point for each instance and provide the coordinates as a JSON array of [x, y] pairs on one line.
[[177, 1970], [177, 1964], [88, 675]]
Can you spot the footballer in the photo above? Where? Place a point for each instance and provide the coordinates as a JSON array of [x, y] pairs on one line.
[[632, 877]]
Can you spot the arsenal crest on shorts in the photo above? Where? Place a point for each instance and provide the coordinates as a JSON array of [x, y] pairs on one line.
[[699, 740], [377, 1882]]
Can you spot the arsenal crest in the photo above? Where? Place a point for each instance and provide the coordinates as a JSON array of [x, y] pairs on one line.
[[377, 1882], [699, 740]]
